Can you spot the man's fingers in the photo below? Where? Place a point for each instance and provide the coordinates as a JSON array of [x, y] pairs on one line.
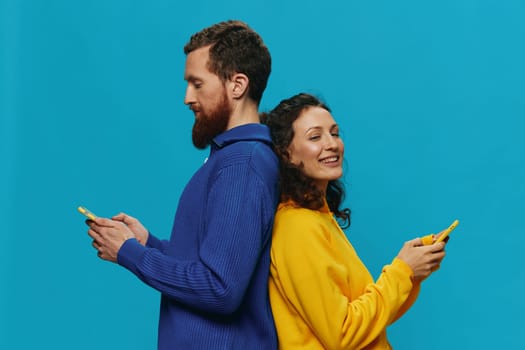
[[105, 222], [92, 233], [96, 245], [119, 217], [95, 235], [98, 248], [125, 218]]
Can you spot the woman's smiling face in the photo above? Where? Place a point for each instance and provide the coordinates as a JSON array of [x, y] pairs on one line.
[[317, 147]]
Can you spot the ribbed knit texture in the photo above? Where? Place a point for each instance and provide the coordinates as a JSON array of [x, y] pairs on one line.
[[322, 295], [213, 272]]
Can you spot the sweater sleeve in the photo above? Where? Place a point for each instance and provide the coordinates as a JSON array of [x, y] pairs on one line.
[[239, 212], [328, 294], [154, 242], [412, 297]]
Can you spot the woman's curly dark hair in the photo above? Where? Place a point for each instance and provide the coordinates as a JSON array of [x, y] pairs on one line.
[[294, 184]]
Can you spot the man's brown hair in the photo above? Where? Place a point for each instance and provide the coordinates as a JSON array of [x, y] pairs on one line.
[[235, 48]]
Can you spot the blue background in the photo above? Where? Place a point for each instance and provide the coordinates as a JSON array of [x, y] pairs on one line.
[[430, 96]]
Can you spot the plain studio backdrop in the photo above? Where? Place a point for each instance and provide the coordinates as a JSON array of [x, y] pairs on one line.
[[430, 97]]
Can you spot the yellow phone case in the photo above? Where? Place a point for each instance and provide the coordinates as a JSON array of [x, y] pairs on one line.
[[87, 213], [444, 234]]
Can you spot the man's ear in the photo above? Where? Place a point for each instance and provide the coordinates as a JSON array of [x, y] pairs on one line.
[[240, 83]]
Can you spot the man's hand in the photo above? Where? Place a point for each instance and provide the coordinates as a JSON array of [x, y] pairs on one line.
[[108, 236], [141, 233]]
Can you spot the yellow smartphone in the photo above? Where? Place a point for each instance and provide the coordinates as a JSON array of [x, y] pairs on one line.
[[444, 234], [87, 213]]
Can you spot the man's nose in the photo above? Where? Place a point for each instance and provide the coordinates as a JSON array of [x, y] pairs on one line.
[[189, 97]]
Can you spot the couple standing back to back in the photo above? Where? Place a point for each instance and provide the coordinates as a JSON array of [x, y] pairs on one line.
[[219, 289]]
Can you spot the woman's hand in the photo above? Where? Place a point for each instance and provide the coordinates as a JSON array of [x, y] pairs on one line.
[[422, 259]]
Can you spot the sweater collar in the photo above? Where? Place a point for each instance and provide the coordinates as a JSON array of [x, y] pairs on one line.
[[246, 132], [290, 203]]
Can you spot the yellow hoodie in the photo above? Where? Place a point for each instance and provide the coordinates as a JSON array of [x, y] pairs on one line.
[[322, 295]]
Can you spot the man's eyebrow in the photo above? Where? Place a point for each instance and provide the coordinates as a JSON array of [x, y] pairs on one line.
[[190, 78]]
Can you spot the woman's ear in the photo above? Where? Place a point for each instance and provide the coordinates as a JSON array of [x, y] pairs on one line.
[[240, 83]]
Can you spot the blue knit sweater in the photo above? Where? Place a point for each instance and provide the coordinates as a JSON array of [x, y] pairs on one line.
[[213, 272]]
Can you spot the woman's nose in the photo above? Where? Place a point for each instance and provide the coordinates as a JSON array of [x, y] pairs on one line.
[[331, 142]]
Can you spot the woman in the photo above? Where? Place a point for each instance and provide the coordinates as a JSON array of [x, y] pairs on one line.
[[322, 295]]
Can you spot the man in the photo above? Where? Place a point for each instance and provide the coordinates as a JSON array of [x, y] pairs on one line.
[[213, 272]]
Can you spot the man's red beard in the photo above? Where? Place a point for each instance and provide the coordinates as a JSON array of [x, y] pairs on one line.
[[209, 125]]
